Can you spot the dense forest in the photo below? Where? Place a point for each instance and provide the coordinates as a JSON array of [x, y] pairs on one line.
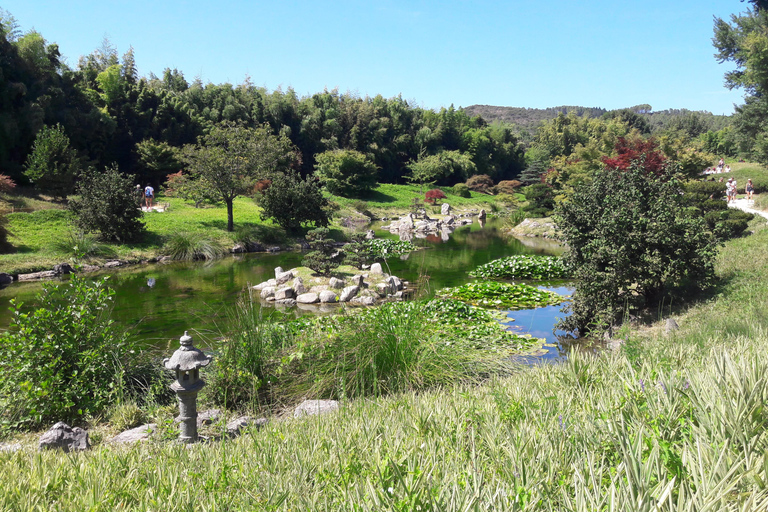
[[101, 113]]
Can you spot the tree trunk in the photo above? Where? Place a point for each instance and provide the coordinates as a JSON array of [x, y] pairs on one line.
[[230, 216]]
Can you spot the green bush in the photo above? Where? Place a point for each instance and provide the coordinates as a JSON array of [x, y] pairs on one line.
[[631, 243], [52, 164], [461, 190], [346, 172], [107, 204], [292, 201], [358, 252], [65, 359]]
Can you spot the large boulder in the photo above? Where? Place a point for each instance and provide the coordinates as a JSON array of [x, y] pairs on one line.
[[336, 283], [267, 292], [63, 269], [236, 426], [308, 298], [63, 437], [357, 281], [278, 271], [5, 279], [285, 293], [370, 235], [46, 274], [238, 249], [348, 293], [315, 407], [327, 296], [445, 209], [376, 269]]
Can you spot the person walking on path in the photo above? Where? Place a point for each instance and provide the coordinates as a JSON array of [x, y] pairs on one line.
[[749, 189], [730, 190], [149, 195]]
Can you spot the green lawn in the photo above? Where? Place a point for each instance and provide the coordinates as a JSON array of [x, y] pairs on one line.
[[33, 233]]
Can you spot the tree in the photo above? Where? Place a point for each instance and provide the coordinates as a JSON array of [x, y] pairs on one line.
[[346, 172], [324, 257], [230, 159], [630, 242], [446, 167], [107, 204], [292, 201], [744, 42], [358, 251], [53, 164], [158, 157], [433, 196]]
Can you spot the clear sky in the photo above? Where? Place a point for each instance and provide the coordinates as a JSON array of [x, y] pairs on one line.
[[437, 53]]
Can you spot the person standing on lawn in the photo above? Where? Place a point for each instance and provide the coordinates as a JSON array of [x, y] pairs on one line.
[[149, 195]]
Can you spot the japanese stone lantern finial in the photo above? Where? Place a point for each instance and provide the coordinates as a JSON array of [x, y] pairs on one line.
[[186, 362]]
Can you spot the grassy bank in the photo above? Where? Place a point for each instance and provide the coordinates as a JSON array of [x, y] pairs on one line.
[[673, 422], [35, 233]]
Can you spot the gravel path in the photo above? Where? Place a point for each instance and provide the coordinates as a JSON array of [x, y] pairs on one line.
[[743, 204]]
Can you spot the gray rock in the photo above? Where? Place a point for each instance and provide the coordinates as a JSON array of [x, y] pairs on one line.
[[449, 220], [367, 301], [135, 435], [273, 249], [63, 269], [10, 447], [308, 298], [315, 407], [394, 283], [357, 280], [336, 283], [671, 326], [63, 437], [376, 269], [5, 278], [286, 302], [383, 289], [238, 249], [114, 264], [481, 215], [298, 286], [46, 274], [272, 282], [421, 226], [370, 235], [348, 293], [327, 296], [208, 416], [284, 277], [445, 209], [236, 426], [285, 293], [267, 292], [278, 271]]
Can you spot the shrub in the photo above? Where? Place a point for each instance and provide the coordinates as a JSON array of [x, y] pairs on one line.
[[540, 201], [291, 201], [324, 257], [480, 183], [346, 173], [507, 186], [107, 204], [433, 196], [630, 244], [190, 247], [461, 190], [65, 359]]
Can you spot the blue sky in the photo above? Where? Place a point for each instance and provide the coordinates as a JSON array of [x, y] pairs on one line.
[[514, 53]]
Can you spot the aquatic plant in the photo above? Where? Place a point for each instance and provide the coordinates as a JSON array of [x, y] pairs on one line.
[[384, 247], [522, 267], [490, 294]]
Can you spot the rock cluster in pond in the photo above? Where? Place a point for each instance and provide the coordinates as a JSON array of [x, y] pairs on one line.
[[420, 225], [365, 289]]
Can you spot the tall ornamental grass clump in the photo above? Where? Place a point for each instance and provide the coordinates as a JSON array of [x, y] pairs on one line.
[[190, 247], [522, 267], [63, 360]]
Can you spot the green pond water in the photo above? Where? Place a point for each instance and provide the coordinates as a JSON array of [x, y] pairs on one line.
[[159, 302]]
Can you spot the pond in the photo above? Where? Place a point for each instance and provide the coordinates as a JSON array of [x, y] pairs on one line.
[[159, 302]]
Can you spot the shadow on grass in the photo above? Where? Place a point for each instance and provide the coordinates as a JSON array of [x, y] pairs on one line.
[[379, 197]]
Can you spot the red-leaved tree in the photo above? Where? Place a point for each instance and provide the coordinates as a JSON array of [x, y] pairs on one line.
[[433, 195], [646, 152]]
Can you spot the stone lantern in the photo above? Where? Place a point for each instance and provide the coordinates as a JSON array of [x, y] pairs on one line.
[[186, 362]]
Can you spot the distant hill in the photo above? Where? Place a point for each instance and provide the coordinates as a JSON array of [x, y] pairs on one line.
[[530, 118]]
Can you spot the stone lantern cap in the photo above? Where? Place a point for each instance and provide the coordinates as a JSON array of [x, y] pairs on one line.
[[187, 357]]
